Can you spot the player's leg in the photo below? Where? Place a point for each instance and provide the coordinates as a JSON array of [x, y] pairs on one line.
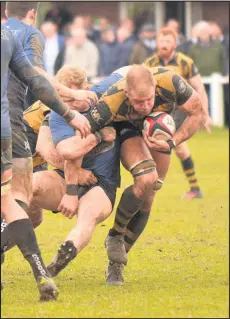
[[183, 153], [94, 207], [20, 227], [136, 158], [138, 222]]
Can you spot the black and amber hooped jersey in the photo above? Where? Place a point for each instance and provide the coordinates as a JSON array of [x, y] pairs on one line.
[[33, 119], [180, 63], [114, 106]]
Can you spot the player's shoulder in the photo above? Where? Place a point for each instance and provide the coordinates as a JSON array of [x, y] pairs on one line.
[[184, 58]]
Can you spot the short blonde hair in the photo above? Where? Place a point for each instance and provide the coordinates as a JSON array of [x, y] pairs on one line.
[[70, 74], [139, 78]]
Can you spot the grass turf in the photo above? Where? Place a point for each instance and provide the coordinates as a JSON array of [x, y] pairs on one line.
[[177, 269]]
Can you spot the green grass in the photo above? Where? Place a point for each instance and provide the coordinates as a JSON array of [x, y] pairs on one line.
[[177, 269]]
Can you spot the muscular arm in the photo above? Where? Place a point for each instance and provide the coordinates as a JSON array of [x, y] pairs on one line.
[[75, 147], [193, 107], [45, 147], [198, 86]]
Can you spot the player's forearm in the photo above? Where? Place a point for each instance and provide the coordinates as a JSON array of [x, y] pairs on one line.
[[43, 90], [72, 169], [75, 147], [193, 123], [45, 147]]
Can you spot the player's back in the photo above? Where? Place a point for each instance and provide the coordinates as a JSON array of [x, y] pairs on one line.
[[31, 40]]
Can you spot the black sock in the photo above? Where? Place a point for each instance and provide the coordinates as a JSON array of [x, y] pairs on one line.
[[6, 240], [189, 170], [128, 206], [135, 227], [23, 235]]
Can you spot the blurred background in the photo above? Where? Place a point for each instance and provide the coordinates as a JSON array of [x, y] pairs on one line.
[[104, 36]]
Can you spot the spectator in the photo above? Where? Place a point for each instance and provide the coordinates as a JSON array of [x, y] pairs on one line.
[[110, 52], [59, 15], [146, 45], [128, 24], [127, 42], [54, 43], [209, 55], [92, 33], [79, 51], [175, 25]]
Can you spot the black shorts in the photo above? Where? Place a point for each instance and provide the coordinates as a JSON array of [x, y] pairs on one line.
[[20, 144], [109, 189], [179, 117], [126, 130], [6, 155]]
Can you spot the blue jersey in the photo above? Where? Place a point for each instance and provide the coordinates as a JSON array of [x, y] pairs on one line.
[[13, 58], [32, 42]]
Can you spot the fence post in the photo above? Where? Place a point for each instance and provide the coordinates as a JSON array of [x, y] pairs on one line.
[[217, 100]]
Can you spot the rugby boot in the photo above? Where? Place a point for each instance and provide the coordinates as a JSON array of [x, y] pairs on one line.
[[115, 247], [47, 289], [193, 194], [113, 274], [66, 253]]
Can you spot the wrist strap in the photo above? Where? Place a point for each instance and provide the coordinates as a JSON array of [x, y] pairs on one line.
[[72, 189], [171, 144], [69, 116]]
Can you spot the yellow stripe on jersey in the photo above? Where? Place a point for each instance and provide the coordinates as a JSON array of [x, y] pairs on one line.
[[35, 115]]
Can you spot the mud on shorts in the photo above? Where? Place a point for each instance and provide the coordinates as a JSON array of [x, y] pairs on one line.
[[179, 117], [20, 144], [109, 189], [6, 162]]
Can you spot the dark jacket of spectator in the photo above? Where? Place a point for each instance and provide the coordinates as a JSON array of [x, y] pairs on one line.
[[140, 53], [110, 53], [209, 58]]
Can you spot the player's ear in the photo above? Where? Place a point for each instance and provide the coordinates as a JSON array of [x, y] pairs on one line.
[[6, 13], [126, 92]]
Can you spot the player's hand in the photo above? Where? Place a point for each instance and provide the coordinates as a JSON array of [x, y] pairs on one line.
[[68, 206], [86, 177], [80, 122], [85, 95], [154, 144], [108, 133], [208, 125]]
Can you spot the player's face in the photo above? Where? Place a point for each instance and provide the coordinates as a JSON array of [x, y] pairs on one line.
[[142, 104], [166, 44]]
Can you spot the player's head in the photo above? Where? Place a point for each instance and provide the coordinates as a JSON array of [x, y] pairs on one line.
[[166, 42], [73, 77], [22, 10], [140, 89]]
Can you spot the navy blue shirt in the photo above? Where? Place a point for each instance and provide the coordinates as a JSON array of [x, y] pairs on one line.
[[13, 57], [32, 42]]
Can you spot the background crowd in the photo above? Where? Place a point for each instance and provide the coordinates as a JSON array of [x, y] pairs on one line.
[[101, 47]]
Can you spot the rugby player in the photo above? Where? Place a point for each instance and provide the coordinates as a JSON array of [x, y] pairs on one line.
[[123, 103], [167, 56], [19, 226]]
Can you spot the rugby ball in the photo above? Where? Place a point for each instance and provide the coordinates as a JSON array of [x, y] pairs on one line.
[[160, 125]]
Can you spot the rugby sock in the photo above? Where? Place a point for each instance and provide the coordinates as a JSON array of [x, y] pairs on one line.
[[4, 235], [128, 206], [6, 240], [23, 235], [134, 228], [189, 170]]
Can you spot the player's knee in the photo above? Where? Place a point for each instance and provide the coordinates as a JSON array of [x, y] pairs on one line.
[[6, 178], [145, 175]]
